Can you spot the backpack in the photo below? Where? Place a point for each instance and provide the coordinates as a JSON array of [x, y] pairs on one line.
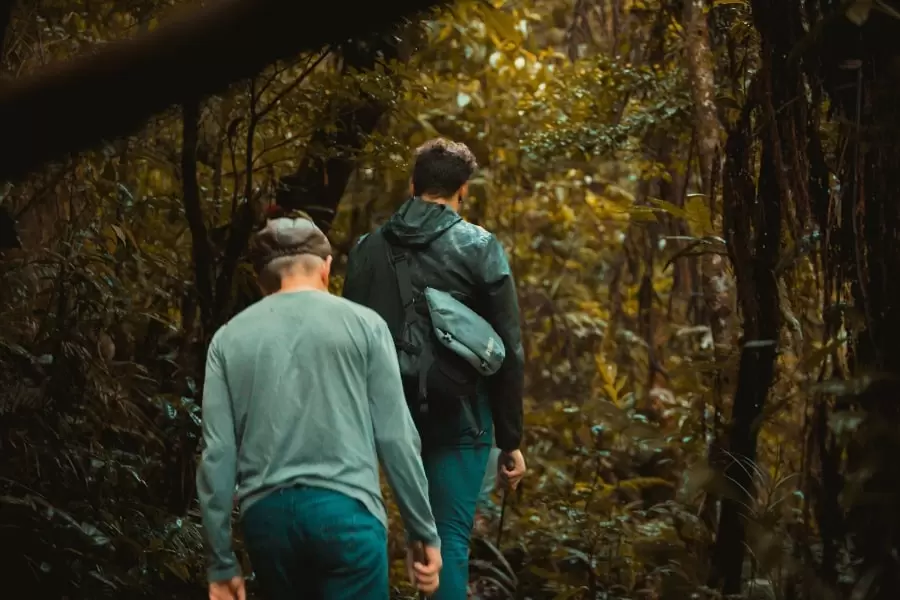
[[443, 346]]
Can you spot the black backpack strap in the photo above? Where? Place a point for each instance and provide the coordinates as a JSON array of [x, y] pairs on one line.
[[400, 262]]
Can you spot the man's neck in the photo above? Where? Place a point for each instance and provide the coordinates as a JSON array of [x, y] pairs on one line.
[[437, 200], [450, 203], [299, 285]]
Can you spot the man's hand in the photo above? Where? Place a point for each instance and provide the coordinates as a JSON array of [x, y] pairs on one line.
[[511, 468], [230, 589], [424, 571]]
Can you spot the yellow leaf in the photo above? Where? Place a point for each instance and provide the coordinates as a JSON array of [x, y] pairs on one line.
[[445, 33], [668, 207], [119, 233], [619, 194], [582, 488], [499, 23], [640, 483], [698, 215], [642, 213], [601, 369], [612, 369], [612, 394]]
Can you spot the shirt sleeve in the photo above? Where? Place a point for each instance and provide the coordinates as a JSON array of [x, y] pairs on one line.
[[217, 472], [397, 440], [506, 386]]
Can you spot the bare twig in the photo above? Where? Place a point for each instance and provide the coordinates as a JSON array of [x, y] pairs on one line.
[[293, 85]]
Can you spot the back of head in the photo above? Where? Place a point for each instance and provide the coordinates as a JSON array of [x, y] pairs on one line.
[[442, 167], [289, 246]]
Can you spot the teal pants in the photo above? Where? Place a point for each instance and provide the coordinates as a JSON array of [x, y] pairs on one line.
[[455, 458], [307, 542]]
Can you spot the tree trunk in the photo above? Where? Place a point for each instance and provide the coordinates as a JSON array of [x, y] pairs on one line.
[[869, 258], [753, 226], [700, 63], [754, 257]]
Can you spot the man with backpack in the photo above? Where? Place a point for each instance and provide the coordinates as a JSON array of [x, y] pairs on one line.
[[302, 398], [445, 288]]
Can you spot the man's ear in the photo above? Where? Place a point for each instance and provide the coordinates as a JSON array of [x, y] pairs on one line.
[[326, 270], [412, 189], [464, 192]]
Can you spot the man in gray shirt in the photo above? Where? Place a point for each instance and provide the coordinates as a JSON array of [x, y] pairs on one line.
[[302, 397]]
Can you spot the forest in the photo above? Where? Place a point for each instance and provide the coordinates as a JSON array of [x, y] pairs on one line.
[[695, 199]]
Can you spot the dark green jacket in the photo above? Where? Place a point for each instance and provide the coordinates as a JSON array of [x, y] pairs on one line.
[[455, 256]]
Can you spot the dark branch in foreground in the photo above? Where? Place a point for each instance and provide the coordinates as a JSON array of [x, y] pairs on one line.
[[74, 105]]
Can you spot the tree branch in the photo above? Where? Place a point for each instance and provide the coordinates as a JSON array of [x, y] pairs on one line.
[[9, 235], [70, 106], [6, 9], [293, 85]]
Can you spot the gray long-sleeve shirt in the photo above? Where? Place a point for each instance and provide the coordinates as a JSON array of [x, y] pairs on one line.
[[303, 388]]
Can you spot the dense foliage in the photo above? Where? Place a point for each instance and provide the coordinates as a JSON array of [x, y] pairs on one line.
[[704, 376]]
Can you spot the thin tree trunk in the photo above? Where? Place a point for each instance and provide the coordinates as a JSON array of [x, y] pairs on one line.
[[713, 279], [701, 64], [753, 226]]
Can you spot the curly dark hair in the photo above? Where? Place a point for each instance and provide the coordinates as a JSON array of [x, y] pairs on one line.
[[442, 167]]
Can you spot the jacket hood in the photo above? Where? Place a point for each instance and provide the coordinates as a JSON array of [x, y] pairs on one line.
[[418, 223]]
